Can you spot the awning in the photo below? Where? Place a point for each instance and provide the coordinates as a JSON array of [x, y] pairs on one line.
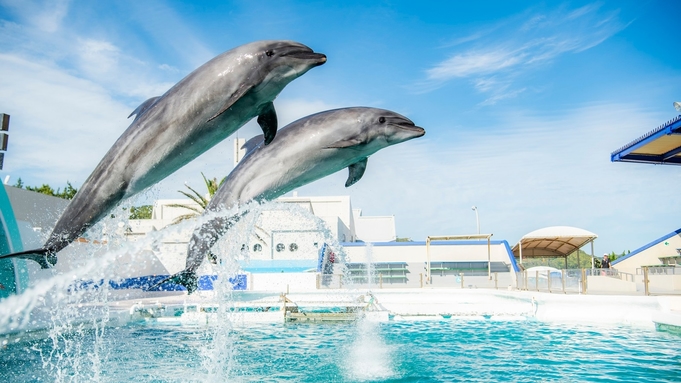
[[554, 241], [660, 146]]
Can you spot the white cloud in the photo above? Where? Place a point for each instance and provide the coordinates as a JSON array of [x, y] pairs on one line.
[[481, 62], [516, 47], [61, 125], [46, 15]]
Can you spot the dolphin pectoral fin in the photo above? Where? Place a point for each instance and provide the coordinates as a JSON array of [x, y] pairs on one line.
[[268, 122], [232, 100], [186, 278], [252, 143], [356, 171], [43, 257], [143, 107]]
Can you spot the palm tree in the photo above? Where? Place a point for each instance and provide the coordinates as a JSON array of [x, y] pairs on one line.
[[212, 185]]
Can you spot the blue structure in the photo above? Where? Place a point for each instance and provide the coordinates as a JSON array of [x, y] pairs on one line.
[[660, 146], [13, 272]]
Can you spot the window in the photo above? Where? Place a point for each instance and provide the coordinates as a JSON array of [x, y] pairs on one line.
[[257, 247], [280, 247], [293, 247]]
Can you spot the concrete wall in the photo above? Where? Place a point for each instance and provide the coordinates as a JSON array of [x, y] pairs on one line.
[[604, 284], [374, 228], [440, 251], [282, 282], [40, 210]]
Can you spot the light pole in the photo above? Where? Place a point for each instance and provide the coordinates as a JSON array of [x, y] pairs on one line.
[[477, 219]]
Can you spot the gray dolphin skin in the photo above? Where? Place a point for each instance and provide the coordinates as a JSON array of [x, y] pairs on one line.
[[303, 151], [169, 131]]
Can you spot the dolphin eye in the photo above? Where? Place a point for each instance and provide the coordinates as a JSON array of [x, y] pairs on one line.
[[381, 120], [269, 53]]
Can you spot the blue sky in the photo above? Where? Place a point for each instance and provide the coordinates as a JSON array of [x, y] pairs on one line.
[[522, 102]]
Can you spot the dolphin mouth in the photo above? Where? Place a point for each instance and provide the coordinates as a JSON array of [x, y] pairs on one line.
[[306, 54], [416, 131], [407, 126]]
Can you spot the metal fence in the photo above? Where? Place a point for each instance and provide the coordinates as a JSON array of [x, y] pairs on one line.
[[646, 281], [570, 280], [659, 270]]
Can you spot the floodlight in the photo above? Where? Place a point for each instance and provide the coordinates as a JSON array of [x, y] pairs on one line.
[[677, 106]]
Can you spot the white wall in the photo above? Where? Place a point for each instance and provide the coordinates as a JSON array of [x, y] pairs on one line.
[[416, 251], [650, 256], [374, 228]]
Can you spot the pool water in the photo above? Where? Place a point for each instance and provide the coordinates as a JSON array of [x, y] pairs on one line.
[[394, 351]]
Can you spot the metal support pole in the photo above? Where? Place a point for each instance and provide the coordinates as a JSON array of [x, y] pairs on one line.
[[583, 281], [645, 280], [536, 280], [520, 247], [461, 276], [489, 258], [593, 262], [428, 276], [421, 278], [380, 280]]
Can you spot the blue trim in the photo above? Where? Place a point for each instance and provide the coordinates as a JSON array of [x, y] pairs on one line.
[[239, 282], [624, 153], [511, 257], [646, 247], [423, 243]]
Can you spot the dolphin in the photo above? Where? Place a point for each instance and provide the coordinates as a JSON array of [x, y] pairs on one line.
[[169, 131], [303, 151]]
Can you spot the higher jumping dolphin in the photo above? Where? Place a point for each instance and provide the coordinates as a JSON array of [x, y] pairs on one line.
[[303, 151], [169, 131]]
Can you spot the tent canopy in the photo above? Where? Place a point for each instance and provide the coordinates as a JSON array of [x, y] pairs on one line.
[[554, 241]]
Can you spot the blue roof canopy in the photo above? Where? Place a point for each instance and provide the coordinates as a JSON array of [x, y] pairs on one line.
[[660, 146]]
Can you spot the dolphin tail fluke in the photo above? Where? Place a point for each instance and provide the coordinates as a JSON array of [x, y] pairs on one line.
[[186, 278], [45, 258]]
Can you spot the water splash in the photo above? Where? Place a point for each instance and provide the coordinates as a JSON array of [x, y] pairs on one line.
[[368, 357]]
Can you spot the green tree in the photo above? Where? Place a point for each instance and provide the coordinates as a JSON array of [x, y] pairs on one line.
[[141, 212], [559, 262], [68, 193], [212, 186]]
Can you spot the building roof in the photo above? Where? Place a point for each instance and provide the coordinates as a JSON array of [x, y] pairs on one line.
[[660, 146], [553, 241]]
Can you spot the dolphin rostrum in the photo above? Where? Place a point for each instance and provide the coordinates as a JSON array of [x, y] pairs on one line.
[[303, 151], [169, 131]]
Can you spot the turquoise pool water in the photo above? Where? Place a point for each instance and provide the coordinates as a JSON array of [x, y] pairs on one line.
[[419, 351]]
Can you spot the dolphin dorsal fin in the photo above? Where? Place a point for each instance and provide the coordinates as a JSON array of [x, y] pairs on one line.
[[143, 107], [252, 143], [356, 171]]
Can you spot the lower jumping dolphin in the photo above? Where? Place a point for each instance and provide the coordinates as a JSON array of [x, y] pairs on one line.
[[169, 131], [304, 151]]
